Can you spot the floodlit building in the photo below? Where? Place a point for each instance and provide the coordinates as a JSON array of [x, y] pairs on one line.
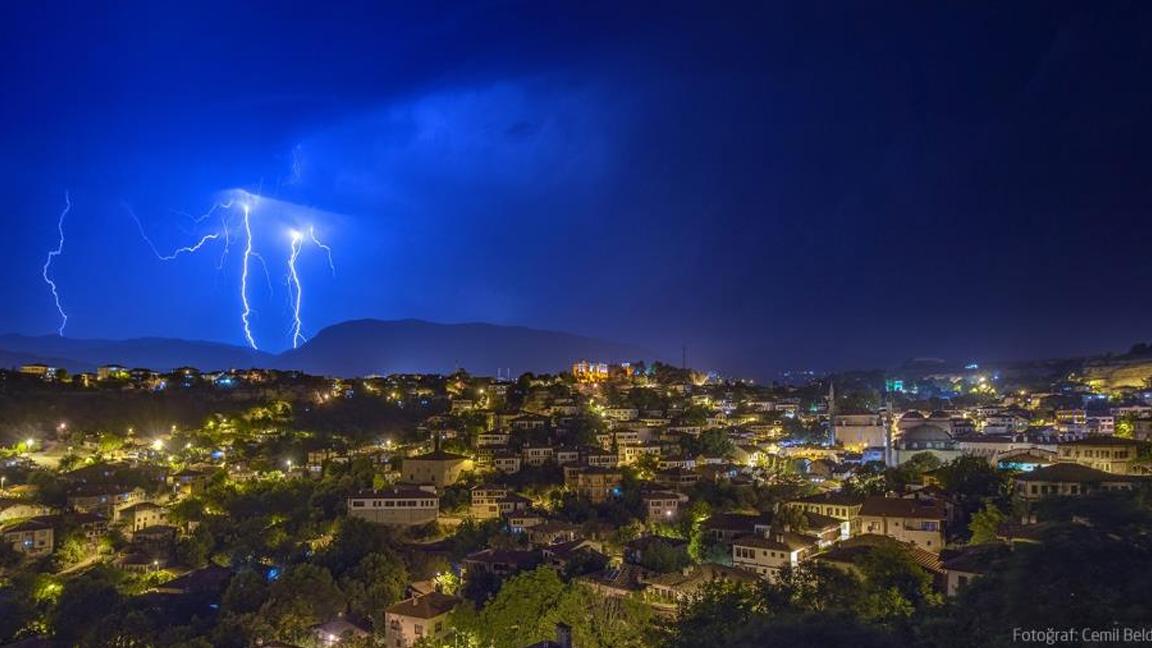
[[438, 468], [840, 506], [907, 520], [396, 507], [143, 515], [417, 618], [1107, 453], [1070, 480], [30, 537], [859, 431], [767, 555], [41, 371], [597, 484], [663, 506]]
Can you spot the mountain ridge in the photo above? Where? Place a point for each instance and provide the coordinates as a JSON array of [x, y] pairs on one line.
[[351, 348]]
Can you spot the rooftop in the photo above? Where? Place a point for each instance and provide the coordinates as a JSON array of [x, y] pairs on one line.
[[905, 508], [837, 498], [396, 493], [854, 549], [26, 525], [1095, 441], [425, 606], [786, 542], [1072, 472], [437, 455], [974, 559]]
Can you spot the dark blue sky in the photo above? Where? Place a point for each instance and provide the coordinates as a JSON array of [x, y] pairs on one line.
[[776, 186]]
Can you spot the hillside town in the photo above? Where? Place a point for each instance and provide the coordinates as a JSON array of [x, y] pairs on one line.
[[605, 505]]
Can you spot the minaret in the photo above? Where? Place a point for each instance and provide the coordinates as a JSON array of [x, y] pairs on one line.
[[831, 412]]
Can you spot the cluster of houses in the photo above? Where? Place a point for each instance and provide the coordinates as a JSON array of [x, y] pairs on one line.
[[100, 500], [1078, 456], [657, 436]]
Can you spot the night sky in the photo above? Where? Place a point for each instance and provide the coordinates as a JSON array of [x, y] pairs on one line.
[[775, 186]]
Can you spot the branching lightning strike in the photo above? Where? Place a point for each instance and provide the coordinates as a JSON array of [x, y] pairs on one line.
[[187, 249], [246, 202], [294, 285], [327, 249], [247, 312], [52, 254]]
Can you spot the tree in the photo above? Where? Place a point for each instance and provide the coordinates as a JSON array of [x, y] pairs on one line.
[[84, 601], [664, 558], [790, 518], [355, 539], [714, 614], [530, 605], [971, 480], [609, 622], [193, 550], [868, 480], [525, 610], [246, 593], [985, 524], [9, 557], [375, 583], [811, 587], [303, 597], [1125, 428], [894, 584], [712, 443], [1079, 577]]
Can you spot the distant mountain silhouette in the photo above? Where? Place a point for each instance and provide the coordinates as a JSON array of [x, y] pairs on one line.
[[368, 346], [17, 358], [349, 349], [161, 354]]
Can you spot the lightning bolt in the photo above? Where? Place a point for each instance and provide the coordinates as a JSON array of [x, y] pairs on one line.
[[227, 243], [294, 284], [52, 254], [267, 274], [187, 249], [247, 312], [196, 220], [327, 249], [297, 166], [246, 201]]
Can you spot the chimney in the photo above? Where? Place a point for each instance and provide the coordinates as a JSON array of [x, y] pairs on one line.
[[564, 635]]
